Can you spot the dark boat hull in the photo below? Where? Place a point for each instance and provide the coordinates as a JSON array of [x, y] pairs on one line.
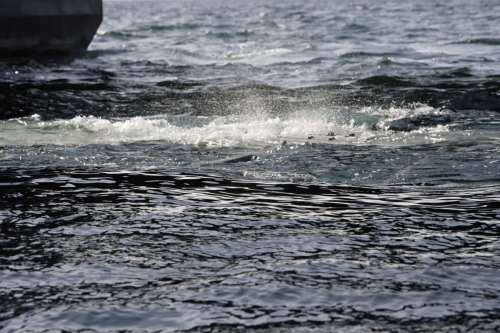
[[47, 27]]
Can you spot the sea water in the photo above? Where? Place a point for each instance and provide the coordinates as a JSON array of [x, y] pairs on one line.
[[264, 166]]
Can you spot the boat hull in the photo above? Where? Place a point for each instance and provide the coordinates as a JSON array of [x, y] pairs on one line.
[[46, 27]]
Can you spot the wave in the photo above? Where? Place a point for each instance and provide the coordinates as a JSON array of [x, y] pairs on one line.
[[105, 94], [243, 55], [361, 54], [386, 81], [483, 41], [256, 128]]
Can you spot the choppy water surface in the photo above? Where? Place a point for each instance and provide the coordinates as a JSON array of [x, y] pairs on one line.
[[115, 250], [256, 167]]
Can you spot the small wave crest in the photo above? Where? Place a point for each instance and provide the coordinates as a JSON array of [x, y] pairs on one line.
[[484, 41], [251, 54], [257, 128], [232, 130]]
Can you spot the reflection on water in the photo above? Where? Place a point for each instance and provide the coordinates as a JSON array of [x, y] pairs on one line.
[[111, 250]]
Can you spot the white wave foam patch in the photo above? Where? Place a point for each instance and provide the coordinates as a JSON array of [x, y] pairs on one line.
[[256, 53], [255, 130], [200, 131], [88, 130]]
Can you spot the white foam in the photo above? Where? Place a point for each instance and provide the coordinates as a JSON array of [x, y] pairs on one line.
[[251, 54], [255, 129]]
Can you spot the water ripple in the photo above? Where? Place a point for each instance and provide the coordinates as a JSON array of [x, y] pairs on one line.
[[175, 250]]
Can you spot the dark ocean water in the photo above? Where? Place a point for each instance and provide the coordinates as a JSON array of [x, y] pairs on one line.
[[329, 166]]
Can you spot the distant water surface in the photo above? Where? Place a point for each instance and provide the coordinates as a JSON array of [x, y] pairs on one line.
[[256, 166]]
